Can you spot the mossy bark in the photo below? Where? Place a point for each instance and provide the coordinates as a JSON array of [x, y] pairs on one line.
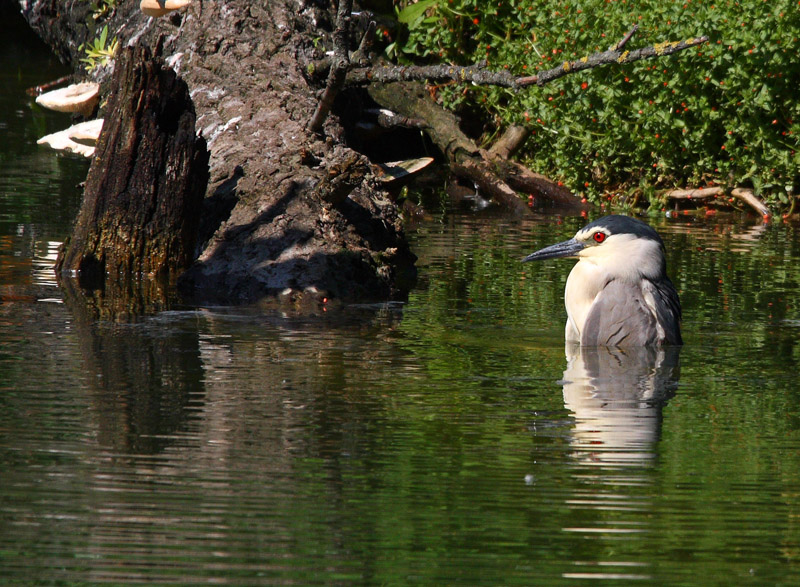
[[145, 188]]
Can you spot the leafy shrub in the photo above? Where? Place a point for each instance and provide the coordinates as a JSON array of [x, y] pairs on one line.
[[726, 112], [100, 51]]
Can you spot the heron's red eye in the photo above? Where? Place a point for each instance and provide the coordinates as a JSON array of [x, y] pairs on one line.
[[599, 237]]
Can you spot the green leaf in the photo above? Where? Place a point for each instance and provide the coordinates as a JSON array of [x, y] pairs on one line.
[[411, 13]]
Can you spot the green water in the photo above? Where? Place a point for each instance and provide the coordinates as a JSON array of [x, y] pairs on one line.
[[446, 440]]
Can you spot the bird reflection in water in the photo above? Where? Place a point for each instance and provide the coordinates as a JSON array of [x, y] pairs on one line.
[[616, 397]]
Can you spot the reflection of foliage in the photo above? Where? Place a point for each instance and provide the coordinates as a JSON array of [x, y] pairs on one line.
[[100, 51]]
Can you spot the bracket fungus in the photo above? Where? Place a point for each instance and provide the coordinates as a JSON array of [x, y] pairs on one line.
[[156, 8], [77, 98], [69, 140]]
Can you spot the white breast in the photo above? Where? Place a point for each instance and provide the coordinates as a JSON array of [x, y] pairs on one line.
[[583, 284]]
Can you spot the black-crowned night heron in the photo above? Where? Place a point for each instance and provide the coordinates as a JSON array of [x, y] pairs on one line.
[[618, 294]]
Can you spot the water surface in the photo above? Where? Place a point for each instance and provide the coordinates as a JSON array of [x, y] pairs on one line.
[[452, 439]]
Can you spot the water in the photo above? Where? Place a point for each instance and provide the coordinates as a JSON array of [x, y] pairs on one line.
[[448, 440]]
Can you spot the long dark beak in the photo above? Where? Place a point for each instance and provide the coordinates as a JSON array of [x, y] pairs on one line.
[[568, 248]]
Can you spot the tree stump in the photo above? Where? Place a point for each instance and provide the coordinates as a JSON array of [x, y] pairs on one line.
[[144, 192]]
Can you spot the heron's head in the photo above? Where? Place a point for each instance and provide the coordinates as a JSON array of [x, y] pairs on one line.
[[623, 246]]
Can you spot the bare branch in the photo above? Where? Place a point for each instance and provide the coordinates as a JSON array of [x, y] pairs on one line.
[[511, 140], [522, 179], [339, 67], [749, 198], [698, 194], [481, 174], [612, 56], [388, 119], [479, 75], [476, 74]]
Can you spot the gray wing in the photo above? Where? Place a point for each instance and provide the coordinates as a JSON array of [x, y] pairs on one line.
[[668, 308], [620, 317]]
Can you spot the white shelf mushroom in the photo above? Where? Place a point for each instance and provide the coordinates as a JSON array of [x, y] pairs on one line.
[[395, 170], [77, 98], [158, 8], [67, 140]]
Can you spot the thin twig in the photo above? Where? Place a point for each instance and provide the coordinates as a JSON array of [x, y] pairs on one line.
[[613, 56], [791, 206], [625, 39], [338, 72], [360, 56]]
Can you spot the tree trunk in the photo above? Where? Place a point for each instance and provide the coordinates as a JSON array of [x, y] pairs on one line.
[[145, 188], [287, 211]]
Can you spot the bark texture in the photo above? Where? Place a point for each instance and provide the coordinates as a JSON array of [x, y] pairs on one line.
[[266, 227], [144, 192]]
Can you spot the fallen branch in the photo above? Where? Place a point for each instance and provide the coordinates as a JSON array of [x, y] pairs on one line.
[[490, 171], [698, 194], [478, 74], [522, 179], [388, 119], [749, 198], [745, 195], [510, 141], [493, 176]]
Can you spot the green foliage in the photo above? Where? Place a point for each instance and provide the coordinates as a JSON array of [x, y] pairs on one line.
[[103, 8], [725, 112], [100, 51]]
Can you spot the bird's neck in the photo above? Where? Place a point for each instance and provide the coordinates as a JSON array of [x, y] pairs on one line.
[[585, 281]]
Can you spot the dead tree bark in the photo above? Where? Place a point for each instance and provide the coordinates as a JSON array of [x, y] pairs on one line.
[[145, 188], [287, 211]]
